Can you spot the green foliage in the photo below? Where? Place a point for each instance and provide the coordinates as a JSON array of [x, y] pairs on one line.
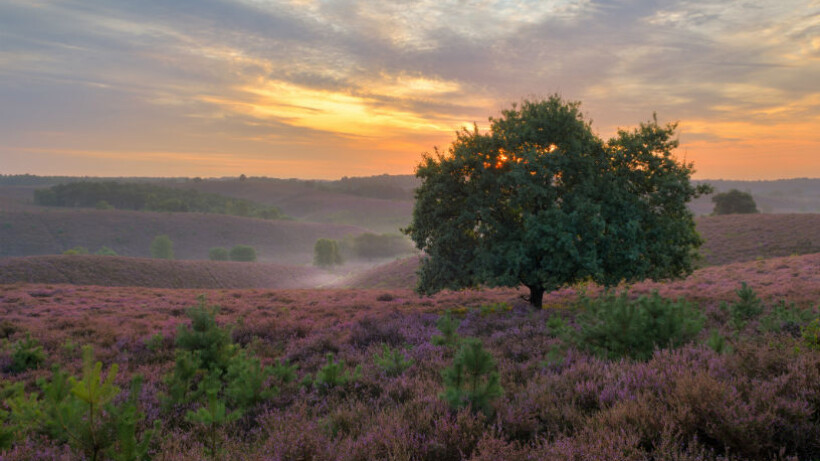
[[494, 308], [333, 374], [210, 344], [718, 343], [76, 251], [245, 381], [245, 253], [81, 412], [392, 361], [162, 247], [748, 307], [447, 325], [105, 251], [218, 254], [472, 380], [558, 327], [149, 197], [26, 354], [155, 342], [785, 317], [284, 372], [811, 334], [214, 414], [326, 253], [541, 201], [615, 326], [734, 202]]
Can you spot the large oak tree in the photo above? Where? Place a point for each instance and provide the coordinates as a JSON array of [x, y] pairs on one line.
[[542, 201]]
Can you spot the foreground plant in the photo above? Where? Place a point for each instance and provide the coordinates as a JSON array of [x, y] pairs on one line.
[[472, 380], [616, 326]]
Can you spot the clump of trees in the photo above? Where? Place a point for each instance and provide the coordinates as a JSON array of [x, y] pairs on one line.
[[106, 195], [218, 254], [371, 246], [326, 253], [734, 202], [540, 200]]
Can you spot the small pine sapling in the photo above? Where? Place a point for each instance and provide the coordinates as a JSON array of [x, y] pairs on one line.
[[748, 307], [284, 372], [246, 381], [447, 325], [128, 446], [811, 335], [27, 354], [718, 343], [205, 338], [392, 361], [214, 414], [333, 374], [472, 380]]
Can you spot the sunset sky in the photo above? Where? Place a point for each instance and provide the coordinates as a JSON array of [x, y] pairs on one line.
[[324, 89]]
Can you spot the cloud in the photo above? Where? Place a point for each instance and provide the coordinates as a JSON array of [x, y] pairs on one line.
[[352, 81]]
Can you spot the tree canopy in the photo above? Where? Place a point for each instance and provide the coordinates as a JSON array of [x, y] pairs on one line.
[[540, 200], [734, 202]]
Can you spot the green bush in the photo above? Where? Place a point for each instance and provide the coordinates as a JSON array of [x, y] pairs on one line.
[[614, 326], [392, 361], [26, 354], [326, 253], [162, 247], [333, 374], [748, 307], [243, 253], [218, 254], [105, 251], [733, 202], [472, 380], [76, 251], [447, 325], [786, 317], [811, 334], [83, 413]]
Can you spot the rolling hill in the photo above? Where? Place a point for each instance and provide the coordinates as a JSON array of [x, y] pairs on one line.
[[157, 273], [129, 233]]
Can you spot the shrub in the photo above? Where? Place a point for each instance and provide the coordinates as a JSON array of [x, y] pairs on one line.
[[76, 251], [162, 247], [26, 354], [734, 202], [333, 374], [746, 308], [811, 335], [326, 253], [447, 325], [718, 343], [105, 251], [392, 361], [615, 326], [786, 318], [218, 254], [245, 253], [472, 380]]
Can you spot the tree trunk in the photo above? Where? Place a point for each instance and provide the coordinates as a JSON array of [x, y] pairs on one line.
[[536, 298]]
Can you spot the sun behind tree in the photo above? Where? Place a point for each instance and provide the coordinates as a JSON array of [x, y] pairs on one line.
[[541, 201]]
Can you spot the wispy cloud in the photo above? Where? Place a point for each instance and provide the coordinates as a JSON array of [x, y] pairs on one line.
[[362, 87]]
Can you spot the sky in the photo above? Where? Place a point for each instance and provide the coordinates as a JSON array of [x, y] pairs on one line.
[[324, 89]]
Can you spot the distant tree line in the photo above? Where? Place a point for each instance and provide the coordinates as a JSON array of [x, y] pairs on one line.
[[383, 187], [149, 197]]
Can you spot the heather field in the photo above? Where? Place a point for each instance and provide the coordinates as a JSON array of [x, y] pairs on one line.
[[369, 374]]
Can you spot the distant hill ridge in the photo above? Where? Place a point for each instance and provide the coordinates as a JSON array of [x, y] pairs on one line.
[[157, 273]]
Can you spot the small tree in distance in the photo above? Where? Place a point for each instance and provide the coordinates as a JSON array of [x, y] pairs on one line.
[[218, 254], [245, 253], [326, 253], [734, 202], [162, 247], [541, 201]]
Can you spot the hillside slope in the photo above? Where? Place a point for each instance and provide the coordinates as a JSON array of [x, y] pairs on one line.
[[129, 233], [728, 239], [157, 273]]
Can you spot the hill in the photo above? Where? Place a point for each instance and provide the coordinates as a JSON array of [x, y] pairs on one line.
[[728, 239], [129, 233], [157, 273]]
